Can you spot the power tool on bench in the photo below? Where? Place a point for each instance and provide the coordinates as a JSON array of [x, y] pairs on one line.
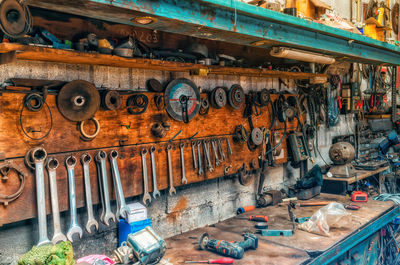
[[230, 249]]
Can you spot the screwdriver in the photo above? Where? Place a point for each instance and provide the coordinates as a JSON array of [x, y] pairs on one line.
[[214, 261], [256, 218]]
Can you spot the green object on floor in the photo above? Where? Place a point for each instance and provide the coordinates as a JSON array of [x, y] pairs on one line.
[[60, 254]]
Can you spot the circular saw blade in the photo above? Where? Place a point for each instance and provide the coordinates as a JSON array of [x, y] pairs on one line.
[[78, 100], [177, 89], [13, 17]]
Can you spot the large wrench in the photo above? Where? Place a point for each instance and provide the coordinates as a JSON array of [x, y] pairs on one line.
[[221, 149], [107, 213], [86, 159], [38, 156], [122, 210], [170, 173], [229, 146], [214, 147], [206, 147], [52, 165], [154, 173], [74, 228], [184, 179], [199, 155], [146, 194], [194, 154]]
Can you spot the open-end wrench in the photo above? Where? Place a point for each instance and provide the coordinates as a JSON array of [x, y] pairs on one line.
[[170, 173], [146, 194], [38, 156], [99, 179], [184, 179], [74, 228], [214, 147], [101, 159], [154, 172], [206, 146], [52, 165], [201, 171], [221, 149], [194, 154], [229, 146], [122, 210], [86, 159]]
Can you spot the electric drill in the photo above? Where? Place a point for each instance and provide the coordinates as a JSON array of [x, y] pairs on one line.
[[230, 249]]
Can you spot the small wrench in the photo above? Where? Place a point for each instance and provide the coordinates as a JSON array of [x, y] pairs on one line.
[[107, 213], [52, 165], [86, 159], [229, 146], [74, 228], [194, 154], [201, 171], [38, 156], [170, 175], [154, 173], [214, 147], [184, 179], [146, 194]]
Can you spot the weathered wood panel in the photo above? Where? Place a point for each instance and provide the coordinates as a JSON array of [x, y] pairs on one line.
[[64, 140]]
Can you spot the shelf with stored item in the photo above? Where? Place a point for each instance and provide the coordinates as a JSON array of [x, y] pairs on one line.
[[40, 53]]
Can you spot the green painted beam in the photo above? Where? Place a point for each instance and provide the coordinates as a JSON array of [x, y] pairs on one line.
[[235, 22]]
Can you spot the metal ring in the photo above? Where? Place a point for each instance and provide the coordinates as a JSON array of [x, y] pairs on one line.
[[34, 102], [6, 199], [86, 136]]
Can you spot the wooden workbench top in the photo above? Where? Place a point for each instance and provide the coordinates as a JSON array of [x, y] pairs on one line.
[[360, 174], [274, 250]]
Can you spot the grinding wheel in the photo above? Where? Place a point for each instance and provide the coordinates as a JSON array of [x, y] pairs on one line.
[[78, 100], [179, 92], [204, 241]]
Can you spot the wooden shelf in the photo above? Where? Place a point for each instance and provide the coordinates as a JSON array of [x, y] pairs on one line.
[[39, 53]]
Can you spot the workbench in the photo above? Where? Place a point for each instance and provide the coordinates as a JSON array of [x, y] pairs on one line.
[[301, 248], [341, 185]]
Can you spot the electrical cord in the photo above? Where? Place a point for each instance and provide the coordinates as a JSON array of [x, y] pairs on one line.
[[22, 126]]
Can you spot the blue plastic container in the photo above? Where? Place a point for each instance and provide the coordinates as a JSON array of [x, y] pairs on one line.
[[125, 228]]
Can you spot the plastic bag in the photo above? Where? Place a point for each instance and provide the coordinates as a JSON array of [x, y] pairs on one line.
[[331, 215]]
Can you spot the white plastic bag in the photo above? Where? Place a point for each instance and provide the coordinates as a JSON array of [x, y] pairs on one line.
[[331, 215]]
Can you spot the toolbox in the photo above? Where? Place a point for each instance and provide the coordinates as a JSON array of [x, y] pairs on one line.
[[125, 228]]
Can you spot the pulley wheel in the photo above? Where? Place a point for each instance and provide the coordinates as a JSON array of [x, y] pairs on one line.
[[263, 97], [78, 100], [111, 100], [182, 94], [154, 85], [290, 113], [218, 97], [257, 136], [245, 177], [236, 96], [13, 18]]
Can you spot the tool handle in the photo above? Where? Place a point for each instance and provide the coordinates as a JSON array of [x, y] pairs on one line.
[[221, 261], [245, 209], [314, 203], [258, 218]]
